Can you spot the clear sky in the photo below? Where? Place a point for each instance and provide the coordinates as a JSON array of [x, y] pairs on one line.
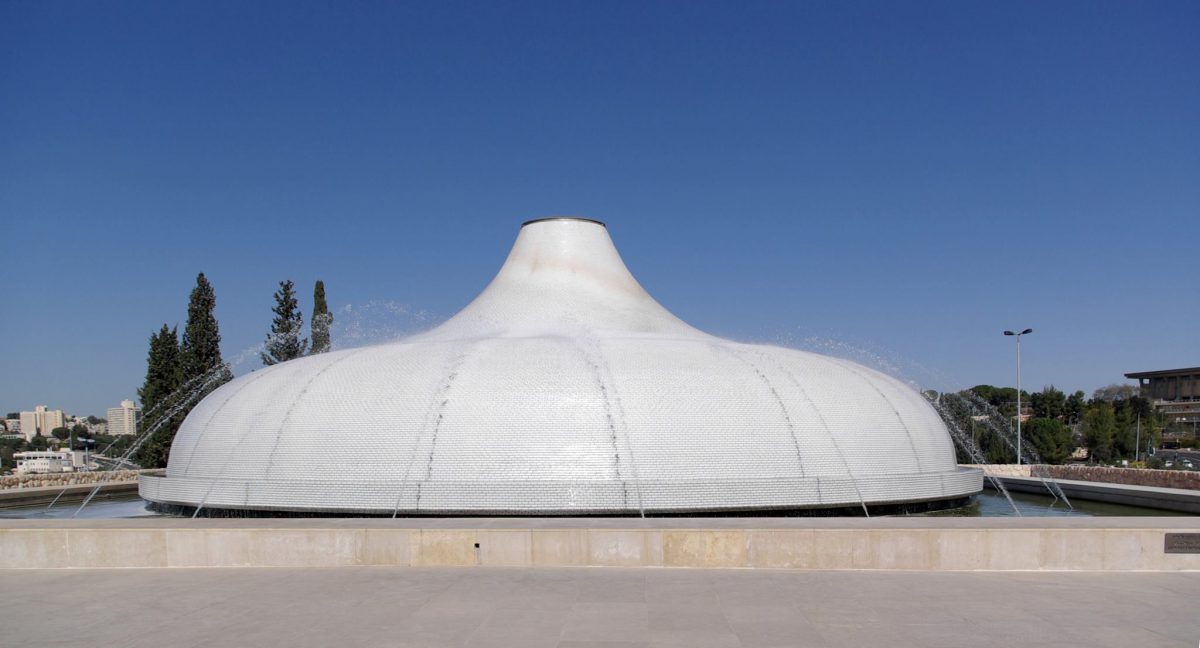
[[896, 181]]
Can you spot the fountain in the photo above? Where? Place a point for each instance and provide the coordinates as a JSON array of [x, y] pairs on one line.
[[563, 389]]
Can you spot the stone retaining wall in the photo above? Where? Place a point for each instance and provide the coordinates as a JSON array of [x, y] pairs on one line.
[[1186, 479], [12, 482], [1004, 470]]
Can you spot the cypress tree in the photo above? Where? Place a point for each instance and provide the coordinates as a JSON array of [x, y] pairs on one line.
[[164, 376], [284, 342], [322, 320], [202, 336]]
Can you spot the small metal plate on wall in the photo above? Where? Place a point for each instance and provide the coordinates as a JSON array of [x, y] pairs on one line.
[[1182, 543]]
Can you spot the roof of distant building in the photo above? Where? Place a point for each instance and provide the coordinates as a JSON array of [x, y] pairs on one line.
[[1163, 373]]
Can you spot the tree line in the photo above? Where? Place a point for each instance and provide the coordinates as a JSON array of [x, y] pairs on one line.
[[181, 372], [284, 342], [1111, 425]]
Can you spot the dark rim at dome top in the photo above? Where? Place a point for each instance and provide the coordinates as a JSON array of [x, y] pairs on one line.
[[563, 218]]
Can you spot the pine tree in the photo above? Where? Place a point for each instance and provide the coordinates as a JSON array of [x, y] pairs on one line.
[[201, 370], [284, 342], [164, 372], [322, 320], [164, 376], [1100, 429]]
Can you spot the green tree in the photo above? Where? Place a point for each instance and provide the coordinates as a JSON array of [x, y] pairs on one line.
[[1075, 406], [284, 342], [1151, 432], [201, 371], [7, 461], [322, 320], [1114, 392], [995, 450], [1126, 422], [1050, 437], [1143, 412], [1100, 430], [164, 370], [164, 376], [1049, 403], [114, 446], [79, 436], [60, 433], [202, 337], [1003, 399]]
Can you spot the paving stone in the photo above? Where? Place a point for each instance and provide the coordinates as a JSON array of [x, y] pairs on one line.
[[592, 608]]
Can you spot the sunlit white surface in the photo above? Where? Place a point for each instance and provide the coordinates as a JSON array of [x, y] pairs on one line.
[[562, 388]]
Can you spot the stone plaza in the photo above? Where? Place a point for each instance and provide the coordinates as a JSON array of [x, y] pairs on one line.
[[593, 608]]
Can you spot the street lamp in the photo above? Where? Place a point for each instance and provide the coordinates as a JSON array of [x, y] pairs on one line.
[[1018, 336]]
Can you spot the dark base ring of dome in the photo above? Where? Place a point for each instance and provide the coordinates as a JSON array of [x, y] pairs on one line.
[[874, 510]]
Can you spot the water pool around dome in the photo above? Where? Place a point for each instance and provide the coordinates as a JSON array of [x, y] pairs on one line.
[[562, 389]]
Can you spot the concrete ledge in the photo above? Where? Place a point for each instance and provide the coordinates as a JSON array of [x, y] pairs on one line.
[[1167, 499], [1062, 544]]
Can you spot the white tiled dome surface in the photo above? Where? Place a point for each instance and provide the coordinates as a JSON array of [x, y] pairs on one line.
[[563, 388]]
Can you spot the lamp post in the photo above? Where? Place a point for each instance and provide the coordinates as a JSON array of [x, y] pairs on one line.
[[1018, 336]]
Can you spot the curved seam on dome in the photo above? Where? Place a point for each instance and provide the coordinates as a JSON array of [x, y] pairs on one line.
[[599, 368], [787, 418], [436, 406], [824, 423], [612, 428], [908, 433], [191, 453], [291, 407]]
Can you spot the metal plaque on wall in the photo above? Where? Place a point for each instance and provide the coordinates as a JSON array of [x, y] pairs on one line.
[[1182, 543]]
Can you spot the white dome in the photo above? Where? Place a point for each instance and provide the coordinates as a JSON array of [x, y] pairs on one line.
[[562, 388]]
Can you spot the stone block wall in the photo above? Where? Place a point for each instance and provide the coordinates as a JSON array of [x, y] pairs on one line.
[[1186, 479], [1158, 478], [11, 482]]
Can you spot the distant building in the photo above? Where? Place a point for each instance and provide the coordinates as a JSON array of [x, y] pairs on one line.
[[1174, 392], [124, 419], [41, 421], [46, 461], [12, 429]]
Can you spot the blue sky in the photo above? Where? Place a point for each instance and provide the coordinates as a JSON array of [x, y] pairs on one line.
[[898, 182]]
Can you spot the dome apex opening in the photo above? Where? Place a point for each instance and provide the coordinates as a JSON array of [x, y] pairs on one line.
[[579, 219]]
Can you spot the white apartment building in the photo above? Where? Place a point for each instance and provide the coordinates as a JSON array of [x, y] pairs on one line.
[[45, 461], [41, 421], [124, 419]]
